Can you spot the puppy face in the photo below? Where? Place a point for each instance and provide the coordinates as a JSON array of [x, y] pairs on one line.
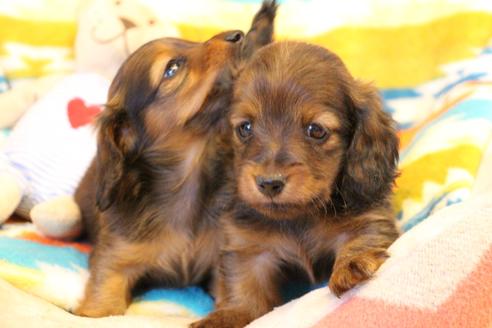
[[307, 136], [165, 83], [166, 96]]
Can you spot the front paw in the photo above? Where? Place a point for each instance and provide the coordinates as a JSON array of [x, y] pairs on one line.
[[99, 309], [351, 270], [223, 319]]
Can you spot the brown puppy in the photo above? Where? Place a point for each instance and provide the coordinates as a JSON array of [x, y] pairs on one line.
[[315, 161], [152, 197]]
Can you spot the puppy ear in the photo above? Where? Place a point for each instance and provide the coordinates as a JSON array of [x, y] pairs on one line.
[[261, 31], [372, 155], [120, 128], [116, 144]]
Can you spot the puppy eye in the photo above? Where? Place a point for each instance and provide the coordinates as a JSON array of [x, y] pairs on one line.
[[244, 130], [316, 131], [173, 67]]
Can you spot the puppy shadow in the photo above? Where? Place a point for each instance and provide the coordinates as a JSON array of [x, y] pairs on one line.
[[296, 281]]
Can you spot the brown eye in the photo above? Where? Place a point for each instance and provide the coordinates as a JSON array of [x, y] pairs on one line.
[[316, 131], [244, 130]]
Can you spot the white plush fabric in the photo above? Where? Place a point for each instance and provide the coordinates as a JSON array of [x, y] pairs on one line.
[[52, 145]]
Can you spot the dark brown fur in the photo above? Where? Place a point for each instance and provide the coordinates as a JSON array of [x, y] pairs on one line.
[[336, 198], [152, 197]]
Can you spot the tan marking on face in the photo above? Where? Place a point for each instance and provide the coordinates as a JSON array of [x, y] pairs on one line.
[[236, 119], [158, 67], [194, 98], [333, 141], [328, 120]]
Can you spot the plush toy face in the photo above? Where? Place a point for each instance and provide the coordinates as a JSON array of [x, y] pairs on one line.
[[123, 15], [109, 30]]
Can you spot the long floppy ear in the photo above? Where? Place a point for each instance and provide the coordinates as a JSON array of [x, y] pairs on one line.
[[116, 141], [372, 156], [261, 31], [120, 123]]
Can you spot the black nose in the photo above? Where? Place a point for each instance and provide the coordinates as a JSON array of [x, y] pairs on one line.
[[270, 186], [234, 36]]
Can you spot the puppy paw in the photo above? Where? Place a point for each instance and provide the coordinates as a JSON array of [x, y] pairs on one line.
[[99, 310], [223, 319], [354, 269]]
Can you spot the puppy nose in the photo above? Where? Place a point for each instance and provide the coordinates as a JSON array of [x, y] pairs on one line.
[[234, 36], [270, 186]]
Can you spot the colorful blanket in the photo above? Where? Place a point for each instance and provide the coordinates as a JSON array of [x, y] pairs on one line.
[[445, 126], [57, 271], [439, 275], [433, 64]]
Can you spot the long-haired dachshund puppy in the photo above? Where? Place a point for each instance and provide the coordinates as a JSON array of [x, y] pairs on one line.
[[152, 197], [315, 160]]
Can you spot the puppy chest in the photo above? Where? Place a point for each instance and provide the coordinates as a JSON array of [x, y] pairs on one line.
[[187, 258]]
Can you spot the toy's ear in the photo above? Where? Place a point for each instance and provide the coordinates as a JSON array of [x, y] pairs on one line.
[[261, 31], [372, 156]]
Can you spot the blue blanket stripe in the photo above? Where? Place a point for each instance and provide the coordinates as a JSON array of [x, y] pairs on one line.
[[193, 298], [29, 254]]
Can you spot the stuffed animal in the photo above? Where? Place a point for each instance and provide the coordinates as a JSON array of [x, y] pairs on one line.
[[15, 101], [48, 151], [108, 30], [52, 144]]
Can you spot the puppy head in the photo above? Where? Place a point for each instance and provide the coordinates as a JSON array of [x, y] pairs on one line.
[[167, 95], [308, 136]]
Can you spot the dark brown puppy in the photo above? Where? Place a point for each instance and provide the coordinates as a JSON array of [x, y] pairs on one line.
[[315, 161], [153, 195]]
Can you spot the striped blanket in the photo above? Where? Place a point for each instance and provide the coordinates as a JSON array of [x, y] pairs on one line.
[[433, 64], [439, 275]]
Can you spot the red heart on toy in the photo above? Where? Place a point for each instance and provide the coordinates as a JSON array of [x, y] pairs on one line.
[[79, 114]]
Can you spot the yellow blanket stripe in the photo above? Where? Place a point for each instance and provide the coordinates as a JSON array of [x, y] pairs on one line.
[[22, 277], [36, 33], [408, 55], [398, 56], [434, 167]]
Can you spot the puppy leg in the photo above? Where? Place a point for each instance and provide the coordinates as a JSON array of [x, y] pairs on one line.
[[361, 254], [108, 291], [247, 287]]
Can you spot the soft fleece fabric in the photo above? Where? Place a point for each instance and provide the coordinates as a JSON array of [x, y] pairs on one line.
[[439, 275]]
